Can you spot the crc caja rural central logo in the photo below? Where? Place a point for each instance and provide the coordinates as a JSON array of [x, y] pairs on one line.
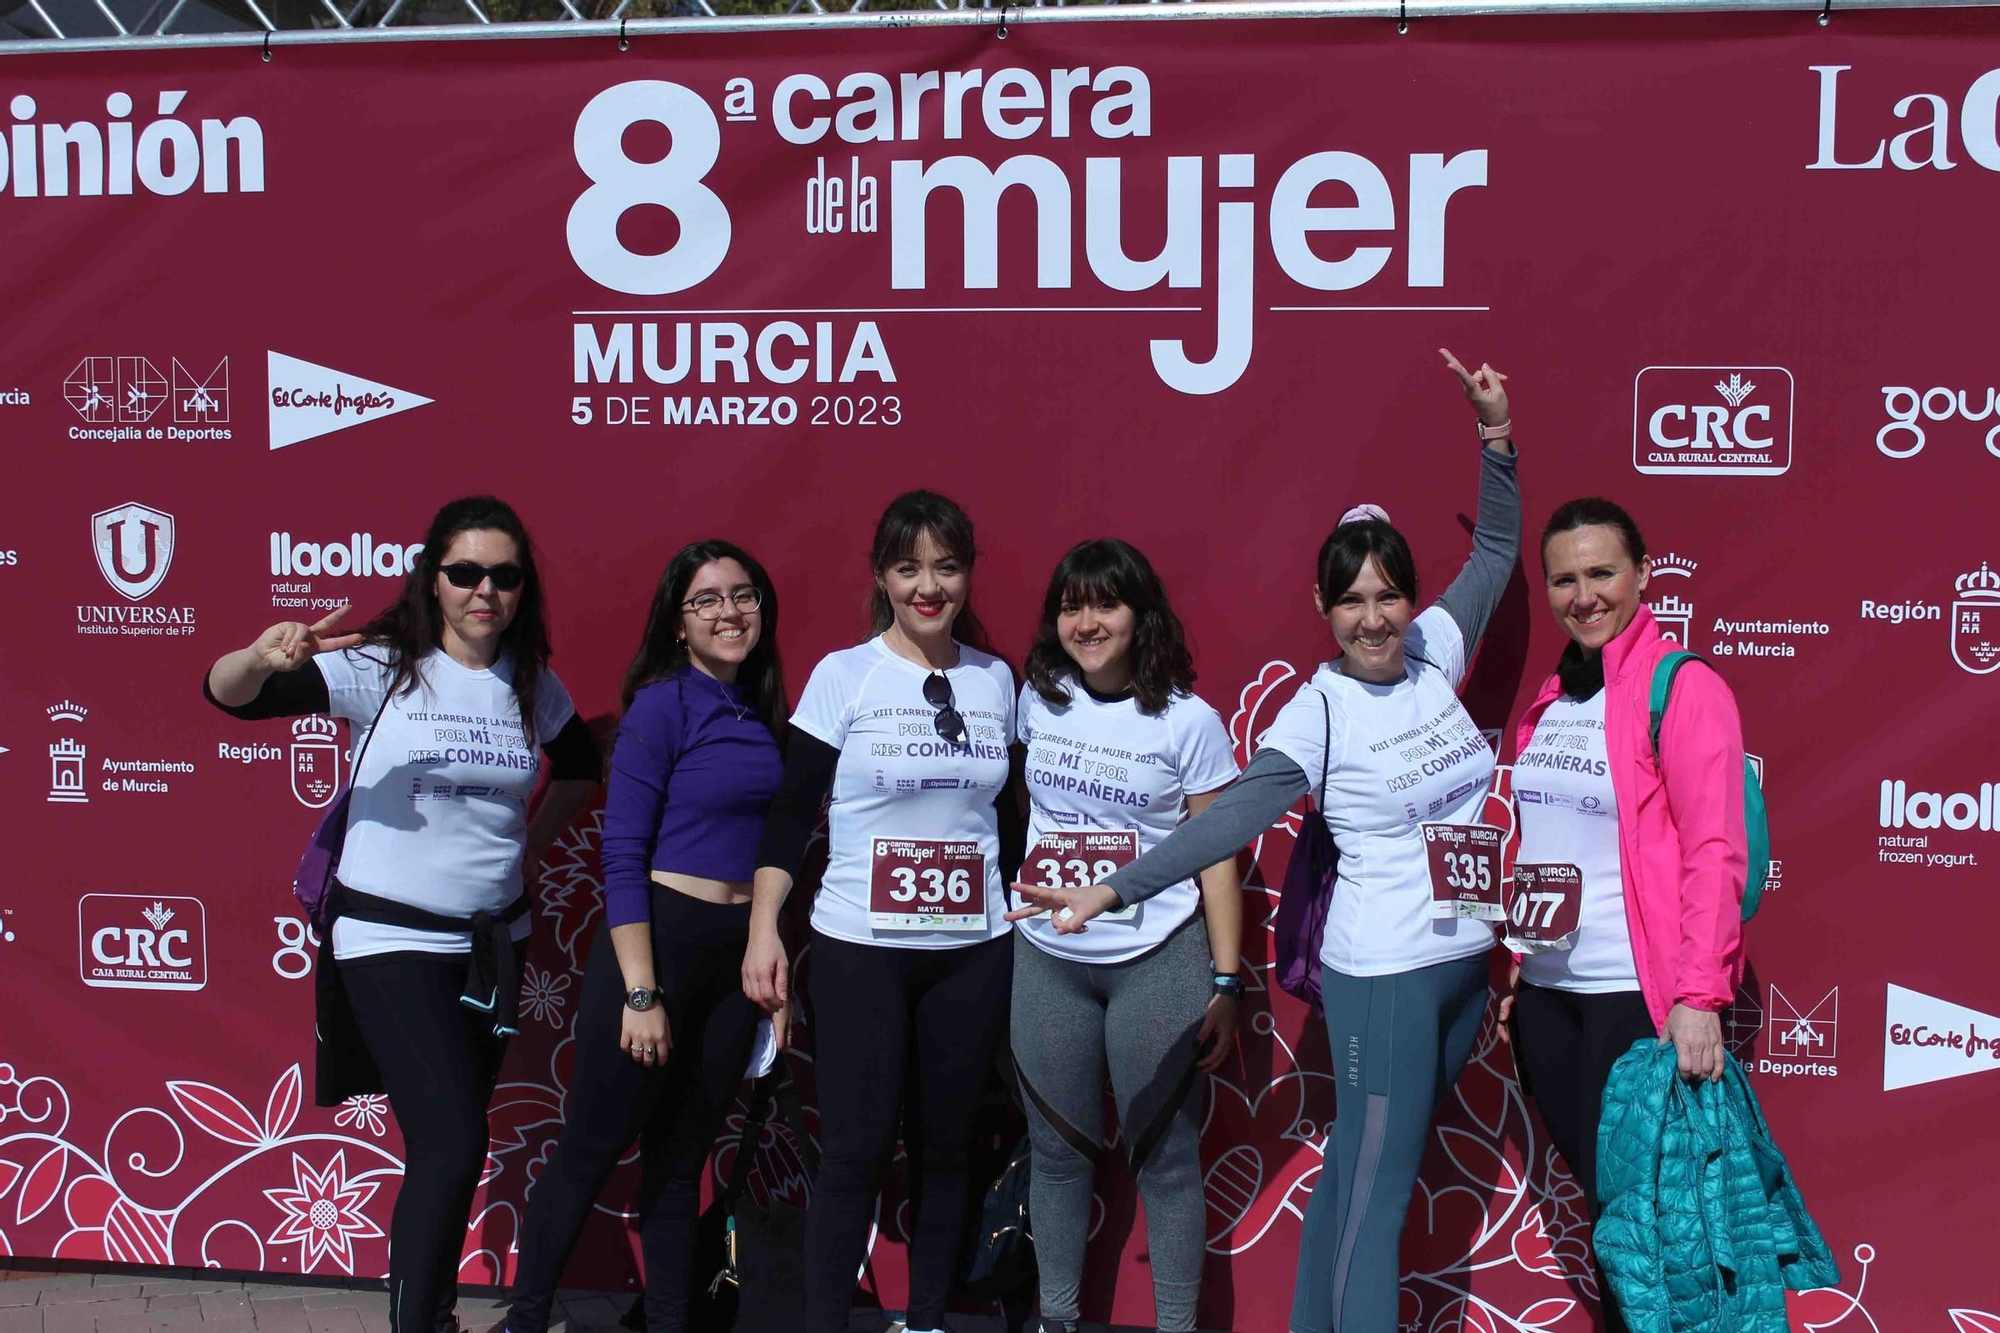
[[1712, 420], [128, 941]]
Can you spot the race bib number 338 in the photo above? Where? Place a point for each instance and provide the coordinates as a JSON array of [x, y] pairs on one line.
[[926, 884], [1076, 860]]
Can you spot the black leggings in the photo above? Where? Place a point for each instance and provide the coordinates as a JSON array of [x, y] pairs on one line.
[[438, 1061], [675, 1109], [917, 1028], [1566, 1043]]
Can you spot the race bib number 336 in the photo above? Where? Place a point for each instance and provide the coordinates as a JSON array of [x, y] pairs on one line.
[[926, 884]]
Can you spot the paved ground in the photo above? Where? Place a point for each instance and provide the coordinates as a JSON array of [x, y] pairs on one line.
[[40, 1296]]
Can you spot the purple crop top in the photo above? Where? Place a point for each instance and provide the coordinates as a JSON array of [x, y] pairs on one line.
[[692, 776]]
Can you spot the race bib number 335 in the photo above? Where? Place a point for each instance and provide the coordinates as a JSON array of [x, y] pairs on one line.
[[926, 884], [1464, 862]]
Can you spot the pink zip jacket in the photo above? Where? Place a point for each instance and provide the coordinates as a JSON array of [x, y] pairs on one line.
[[1680, 834]]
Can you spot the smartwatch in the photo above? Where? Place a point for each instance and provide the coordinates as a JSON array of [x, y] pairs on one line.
[[642, 998], [1225, 983]]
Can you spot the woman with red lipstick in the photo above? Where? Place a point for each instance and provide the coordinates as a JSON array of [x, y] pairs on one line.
[[1380, 740], [1656, 948], [912, 958], [450, 697]]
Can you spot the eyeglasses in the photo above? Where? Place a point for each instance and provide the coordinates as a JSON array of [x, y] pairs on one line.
[[470, 574], [937, 693], [708, 605]]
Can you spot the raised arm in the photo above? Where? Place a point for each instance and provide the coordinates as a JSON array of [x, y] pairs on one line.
[[259, 681], [1496, 533]]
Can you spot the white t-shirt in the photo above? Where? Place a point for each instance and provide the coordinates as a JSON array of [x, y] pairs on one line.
[[439, 812], [1404, 754], [1107, 766], [905, 799], [1562, 788]]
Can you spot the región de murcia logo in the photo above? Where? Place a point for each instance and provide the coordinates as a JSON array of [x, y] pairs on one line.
[[1975, 622]]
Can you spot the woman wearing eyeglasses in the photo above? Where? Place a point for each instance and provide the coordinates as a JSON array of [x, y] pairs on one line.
[[663, 1029], [1380, 740], [911, 965], [450, 695]]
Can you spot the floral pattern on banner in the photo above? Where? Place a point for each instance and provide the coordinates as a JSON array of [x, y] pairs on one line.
[[1498, 1237]]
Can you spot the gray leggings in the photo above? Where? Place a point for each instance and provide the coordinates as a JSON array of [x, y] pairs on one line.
[[1398, 1043], [1142, 1015]]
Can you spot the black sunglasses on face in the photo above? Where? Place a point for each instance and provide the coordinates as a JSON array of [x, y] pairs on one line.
[[937, 693], [470, 574]]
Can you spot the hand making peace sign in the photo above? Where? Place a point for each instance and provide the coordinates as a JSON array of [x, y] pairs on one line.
[[291, 644]]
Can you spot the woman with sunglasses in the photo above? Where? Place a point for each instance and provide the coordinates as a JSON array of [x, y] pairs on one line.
[[450, 695], [911, 961], [1404, 979], [663, 1029], [1118, 750]]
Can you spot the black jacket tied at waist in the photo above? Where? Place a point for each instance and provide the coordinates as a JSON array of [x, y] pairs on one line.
[[343, 1067]]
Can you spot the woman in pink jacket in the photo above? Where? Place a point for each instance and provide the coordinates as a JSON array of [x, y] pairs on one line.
[[1631, 865]]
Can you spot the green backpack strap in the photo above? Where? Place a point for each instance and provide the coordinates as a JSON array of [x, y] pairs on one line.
[[1663, 684], [1756, 818]]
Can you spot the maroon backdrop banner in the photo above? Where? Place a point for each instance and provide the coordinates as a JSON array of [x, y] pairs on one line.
[[1181, 283]]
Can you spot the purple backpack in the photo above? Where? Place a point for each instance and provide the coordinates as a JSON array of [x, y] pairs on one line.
[[1307, 895], [313, 884]]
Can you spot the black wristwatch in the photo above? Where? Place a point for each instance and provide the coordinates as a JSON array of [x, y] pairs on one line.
[[1225, 983], [642, 998]]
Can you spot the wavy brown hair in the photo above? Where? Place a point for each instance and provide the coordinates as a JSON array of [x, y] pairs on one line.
[[1110, 570]]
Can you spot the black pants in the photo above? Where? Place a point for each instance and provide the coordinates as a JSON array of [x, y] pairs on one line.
[[1566, 1045], [438, 1061], [911, 1028], [675, 1109]]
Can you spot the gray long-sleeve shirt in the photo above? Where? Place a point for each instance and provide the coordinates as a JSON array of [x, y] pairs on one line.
[[1272, 784]]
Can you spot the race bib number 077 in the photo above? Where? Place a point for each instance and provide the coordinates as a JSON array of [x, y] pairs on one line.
[[1544, 903], [1075, 860], [926, 884]]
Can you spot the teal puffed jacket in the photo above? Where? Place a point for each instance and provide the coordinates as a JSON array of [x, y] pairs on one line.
[[1703, 1230]]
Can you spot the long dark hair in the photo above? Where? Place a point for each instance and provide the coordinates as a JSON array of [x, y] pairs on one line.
[[662, 651], [1348, 549], [1110, 570], [413, 627], [1582, 675], [908, 518]]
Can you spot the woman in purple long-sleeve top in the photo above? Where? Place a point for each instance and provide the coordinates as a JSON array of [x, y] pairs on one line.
[[663, 1030]]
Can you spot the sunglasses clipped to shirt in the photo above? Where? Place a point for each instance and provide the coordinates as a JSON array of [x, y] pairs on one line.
[[470, 574], [948, 723]]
